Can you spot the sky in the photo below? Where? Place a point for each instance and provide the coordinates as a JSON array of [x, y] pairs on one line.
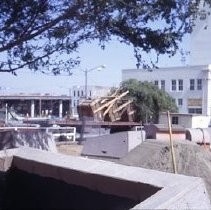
[[115, 57]]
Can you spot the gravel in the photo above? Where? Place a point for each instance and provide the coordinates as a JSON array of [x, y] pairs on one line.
[[191, 159]]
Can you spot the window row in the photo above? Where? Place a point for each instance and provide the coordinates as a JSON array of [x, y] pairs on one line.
[[194, 84], [81, 93], [195, 110], [162, 84], [178, 85], [190, 110], [78, 93]]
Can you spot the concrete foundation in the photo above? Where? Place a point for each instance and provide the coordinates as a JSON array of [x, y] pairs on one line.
[[115, 145], [37, 178]]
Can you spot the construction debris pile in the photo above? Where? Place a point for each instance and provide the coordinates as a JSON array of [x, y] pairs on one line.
[[109, 108]]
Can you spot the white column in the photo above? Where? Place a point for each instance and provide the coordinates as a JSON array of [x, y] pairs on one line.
[[60, 108], [209, 94], [32, 108], [71, 102], [206, 97]]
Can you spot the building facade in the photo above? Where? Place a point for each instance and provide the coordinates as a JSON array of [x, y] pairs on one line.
[[200, 44], [190, 86], [78, 94]]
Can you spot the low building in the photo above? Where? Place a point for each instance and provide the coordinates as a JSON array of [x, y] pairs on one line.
[[185, 120]]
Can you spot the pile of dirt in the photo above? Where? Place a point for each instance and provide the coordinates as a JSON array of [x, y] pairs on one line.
[[191, 159]]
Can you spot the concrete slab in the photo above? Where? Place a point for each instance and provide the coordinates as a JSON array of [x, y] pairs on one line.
[[149, 188]]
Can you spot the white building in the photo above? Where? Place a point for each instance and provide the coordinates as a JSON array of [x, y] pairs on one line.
[[186, 120], [78, 94], [200, 44], [190, 86]]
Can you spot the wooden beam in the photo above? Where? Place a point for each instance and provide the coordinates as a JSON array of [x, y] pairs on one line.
[[111, 102], [122, 106]]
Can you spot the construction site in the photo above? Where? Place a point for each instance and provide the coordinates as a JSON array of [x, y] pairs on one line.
[[133, 166], [79, 142]]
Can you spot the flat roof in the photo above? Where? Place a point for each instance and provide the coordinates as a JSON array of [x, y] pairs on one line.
[[201, 67], [34, 97]]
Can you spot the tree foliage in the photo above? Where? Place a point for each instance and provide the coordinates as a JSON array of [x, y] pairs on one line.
[[149, 100], [38, 33]]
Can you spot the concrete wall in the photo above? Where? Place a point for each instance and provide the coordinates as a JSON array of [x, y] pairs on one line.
[[200, 121], [165, 136], [161, 132], [28, 190], [41, 172], [135, 138], [112, 145], [35, 138]]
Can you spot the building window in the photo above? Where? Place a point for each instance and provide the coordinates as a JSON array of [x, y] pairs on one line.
[[156, 83], [78, 93], [192, 84], [74, 93], [180, 84], [82, 93], [162, 85], [75, 103], [173, 100], [180, 102], [173, 85], [175, 120], [199, 84], [195, 110], [90, 93]]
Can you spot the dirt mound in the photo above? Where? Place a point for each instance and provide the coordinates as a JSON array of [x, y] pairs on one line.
[[191, 159]]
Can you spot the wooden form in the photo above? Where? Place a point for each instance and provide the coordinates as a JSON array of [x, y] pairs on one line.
[[109, 108]]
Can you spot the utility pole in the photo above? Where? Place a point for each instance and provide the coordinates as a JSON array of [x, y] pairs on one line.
[[86, 71]]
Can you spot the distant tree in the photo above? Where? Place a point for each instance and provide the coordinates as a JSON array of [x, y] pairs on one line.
[[38, 33], [148, 99]]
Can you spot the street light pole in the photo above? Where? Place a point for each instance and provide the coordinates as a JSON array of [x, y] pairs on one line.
[[86, 71], [86, 85]]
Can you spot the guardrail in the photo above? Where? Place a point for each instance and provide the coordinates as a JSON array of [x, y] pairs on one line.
[[58, 132]]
